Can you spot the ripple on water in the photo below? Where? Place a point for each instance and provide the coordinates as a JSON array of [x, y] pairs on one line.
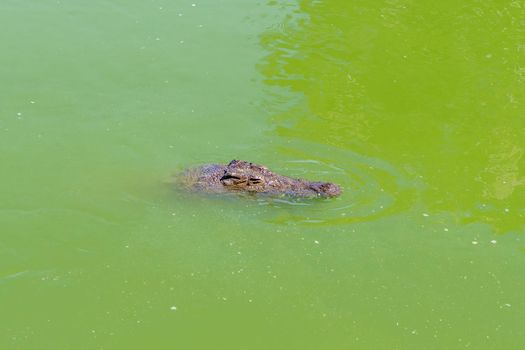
[[372, 188]]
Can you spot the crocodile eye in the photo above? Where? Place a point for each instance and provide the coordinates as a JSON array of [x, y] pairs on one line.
[[227, 177], [232, 180]]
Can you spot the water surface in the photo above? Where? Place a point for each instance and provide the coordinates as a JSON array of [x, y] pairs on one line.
[[416, 110]]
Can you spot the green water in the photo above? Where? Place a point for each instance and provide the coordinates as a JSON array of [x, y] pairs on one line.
[[416, 110]]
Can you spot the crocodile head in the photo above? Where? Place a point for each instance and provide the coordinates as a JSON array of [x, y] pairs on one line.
[[248, 177]]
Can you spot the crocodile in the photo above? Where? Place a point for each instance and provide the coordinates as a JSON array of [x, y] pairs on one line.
[[240, 176]]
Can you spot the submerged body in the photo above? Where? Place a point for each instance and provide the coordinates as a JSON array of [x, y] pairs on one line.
[[242, 176]]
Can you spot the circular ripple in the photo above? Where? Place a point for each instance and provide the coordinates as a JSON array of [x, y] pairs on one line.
[[372, 188]]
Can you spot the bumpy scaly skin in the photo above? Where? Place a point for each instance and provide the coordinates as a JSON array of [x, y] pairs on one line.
[[242, 176]]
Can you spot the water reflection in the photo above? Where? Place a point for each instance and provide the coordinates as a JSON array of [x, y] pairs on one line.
[[435, 103]]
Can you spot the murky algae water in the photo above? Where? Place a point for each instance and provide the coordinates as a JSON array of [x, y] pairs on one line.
[[415, 109]]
